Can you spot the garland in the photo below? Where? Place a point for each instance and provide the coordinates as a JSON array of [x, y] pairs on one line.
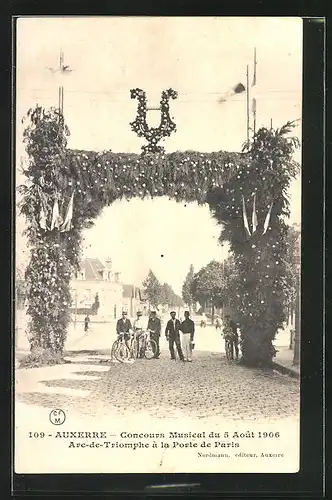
[[153, 134]]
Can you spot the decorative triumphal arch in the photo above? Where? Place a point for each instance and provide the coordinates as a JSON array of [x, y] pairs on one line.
[[67, 189]]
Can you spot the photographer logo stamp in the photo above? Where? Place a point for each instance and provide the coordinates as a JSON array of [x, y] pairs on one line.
[[57, 417]]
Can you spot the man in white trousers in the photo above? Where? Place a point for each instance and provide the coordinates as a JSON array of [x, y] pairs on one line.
[[188, 331]]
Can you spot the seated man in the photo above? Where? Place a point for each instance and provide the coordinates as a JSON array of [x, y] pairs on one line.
[[123, 325]]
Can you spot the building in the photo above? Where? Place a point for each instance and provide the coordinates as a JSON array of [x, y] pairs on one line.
[[97, 282]]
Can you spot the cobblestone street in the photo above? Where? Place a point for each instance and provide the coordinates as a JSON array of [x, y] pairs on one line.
[[163, 388]]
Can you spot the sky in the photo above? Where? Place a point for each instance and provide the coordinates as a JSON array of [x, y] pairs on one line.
[[201, 58]]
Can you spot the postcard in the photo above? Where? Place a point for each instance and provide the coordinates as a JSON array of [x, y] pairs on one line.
[[158, 230]]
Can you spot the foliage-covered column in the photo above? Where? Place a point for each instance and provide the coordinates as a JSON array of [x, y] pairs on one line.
[[49, 270], [48, 276], [251, 208]]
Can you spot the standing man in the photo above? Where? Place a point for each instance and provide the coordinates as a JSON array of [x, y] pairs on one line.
[[123, 325], [188, 332], [234, 339], [154, 325], [138, 329], [172, 333]]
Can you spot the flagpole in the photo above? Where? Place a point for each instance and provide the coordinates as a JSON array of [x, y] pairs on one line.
[[62, 93], [248, 104], [59, 98], [254, 83]]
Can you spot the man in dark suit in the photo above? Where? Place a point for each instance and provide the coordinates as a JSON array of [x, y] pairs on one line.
[[154, 325], [172, 333], [123, 325], [235, 337]]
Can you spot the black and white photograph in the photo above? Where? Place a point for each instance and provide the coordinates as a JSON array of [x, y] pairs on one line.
[[158, 244]]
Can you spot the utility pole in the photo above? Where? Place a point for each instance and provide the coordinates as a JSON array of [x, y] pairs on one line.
[[75, 320], [297, 342], [297, 339], [61, 65], [248, 114], [60, 102], [62, 69], [223, 302], [254, 102]]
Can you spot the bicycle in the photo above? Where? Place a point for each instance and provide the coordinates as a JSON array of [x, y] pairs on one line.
[[123, 352], [229, 348], [147, 347]]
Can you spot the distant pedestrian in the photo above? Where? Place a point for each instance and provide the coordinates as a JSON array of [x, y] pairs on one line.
[[203, 320], [86, 323], [154, 326], [188, 332], [172, 333], [218, 324]]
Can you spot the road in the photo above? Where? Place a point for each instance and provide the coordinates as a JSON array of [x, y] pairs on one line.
[[208, 386], [102, 335]]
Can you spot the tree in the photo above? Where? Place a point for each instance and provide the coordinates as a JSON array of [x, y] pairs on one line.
[[153, 289], [95, 306], [186, 288], [169, 297], [208, 285]]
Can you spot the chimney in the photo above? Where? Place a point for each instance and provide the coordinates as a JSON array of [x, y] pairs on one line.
[[108, 263]]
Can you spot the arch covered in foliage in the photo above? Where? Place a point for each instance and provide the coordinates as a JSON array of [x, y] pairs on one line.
[[226, 181]]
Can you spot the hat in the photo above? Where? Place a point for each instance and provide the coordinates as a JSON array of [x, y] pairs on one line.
[[124, 312], [139, 313], [172, 312], [153, 312]]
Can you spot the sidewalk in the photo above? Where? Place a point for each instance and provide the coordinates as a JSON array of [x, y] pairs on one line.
[[284, 361]]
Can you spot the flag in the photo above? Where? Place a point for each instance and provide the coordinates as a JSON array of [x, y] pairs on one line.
[[56, 219], [245, 218], [237, 89], [267, 219], [42, 219], [67, 223], [254, 106], [254, 216]]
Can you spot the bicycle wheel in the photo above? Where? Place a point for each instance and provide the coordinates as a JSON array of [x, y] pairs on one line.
[[229, 351], [114, 348], [122, 352], [150, 349], [134, 349]]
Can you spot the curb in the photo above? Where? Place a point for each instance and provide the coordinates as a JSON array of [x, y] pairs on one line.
[[285, 370]]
